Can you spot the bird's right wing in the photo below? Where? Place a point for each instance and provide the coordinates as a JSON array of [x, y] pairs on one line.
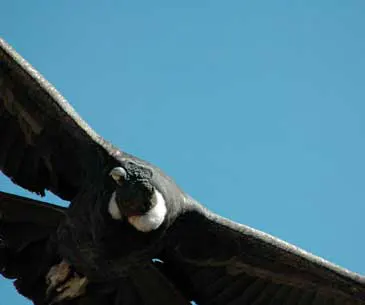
[[26, 255], [44, 143]]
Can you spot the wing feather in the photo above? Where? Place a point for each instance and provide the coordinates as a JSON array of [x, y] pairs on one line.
[[222, 262], [44, 144], [26, 227]]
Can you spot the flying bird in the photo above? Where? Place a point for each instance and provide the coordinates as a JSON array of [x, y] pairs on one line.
[[130, 235]]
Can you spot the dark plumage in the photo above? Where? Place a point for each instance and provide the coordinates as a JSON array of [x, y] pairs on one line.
[[124, 214]]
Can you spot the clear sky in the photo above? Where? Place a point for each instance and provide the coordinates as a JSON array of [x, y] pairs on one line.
[[256, 108]]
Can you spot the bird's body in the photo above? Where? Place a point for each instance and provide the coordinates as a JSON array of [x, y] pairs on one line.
[[87, 237], [130, 235]]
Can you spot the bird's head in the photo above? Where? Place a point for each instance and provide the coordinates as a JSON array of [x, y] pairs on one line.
[[135, 198], [133, 189]]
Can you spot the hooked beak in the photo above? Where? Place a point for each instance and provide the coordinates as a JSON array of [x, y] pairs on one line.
[[119, 174]]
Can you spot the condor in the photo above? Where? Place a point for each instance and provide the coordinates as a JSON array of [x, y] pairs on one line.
[[130, 235]]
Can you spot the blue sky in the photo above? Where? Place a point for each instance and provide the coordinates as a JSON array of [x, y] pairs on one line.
[[256, 108]]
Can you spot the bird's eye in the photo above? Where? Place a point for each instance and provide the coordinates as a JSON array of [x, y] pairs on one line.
[[119, 174]]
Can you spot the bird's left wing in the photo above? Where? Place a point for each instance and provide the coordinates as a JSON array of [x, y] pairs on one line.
[[219, 262]]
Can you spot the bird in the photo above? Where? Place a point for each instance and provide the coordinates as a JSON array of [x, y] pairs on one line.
[[130, 235]]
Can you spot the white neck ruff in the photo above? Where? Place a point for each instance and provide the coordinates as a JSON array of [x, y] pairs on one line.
[[147, 222]]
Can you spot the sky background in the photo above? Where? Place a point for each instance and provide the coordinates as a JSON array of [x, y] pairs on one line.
[[255, 108]]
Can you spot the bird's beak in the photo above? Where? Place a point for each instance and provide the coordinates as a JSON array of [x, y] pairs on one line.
[[119, 174]]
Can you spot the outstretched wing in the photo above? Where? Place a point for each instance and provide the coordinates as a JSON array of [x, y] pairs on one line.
[[216, 261], [26, 256], [45, 145]]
